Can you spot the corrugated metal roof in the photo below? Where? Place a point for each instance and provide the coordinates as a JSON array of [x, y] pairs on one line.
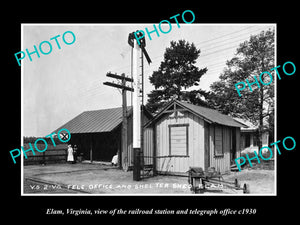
[[103, 120], [212, 115]]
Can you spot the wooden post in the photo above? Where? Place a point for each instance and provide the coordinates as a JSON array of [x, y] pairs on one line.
[[44, 159], [123, 150], [124, 128]]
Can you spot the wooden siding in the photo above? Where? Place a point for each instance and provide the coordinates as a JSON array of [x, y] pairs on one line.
[[148, 146], [148, 143], [219, 137], [200, 146], [220, 162], [129, 142], [206, 146], [167, 163]]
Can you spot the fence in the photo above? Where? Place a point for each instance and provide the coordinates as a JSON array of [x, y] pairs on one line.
[[57, 154]]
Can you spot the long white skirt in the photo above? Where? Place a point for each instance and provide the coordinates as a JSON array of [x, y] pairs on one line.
[[115, 160], [70, 155]]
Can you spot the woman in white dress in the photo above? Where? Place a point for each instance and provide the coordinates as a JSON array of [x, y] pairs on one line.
[[70, 157], [114, 160]]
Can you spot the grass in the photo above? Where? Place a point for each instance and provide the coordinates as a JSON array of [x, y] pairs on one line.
[[262, 164]]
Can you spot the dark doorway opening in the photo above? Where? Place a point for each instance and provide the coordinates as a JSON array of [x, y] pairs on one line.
[[97, 146]]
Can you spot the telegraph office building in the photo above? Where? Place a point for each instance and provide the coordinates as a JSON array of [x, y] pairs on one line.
[[186, 135]]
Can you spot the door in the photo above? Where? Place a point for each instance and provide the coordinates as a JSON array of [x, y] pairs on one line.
[[178, 158]]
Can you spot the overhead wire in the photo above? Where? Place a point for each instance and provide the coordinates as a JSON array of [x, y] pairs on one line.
[[206, 52]]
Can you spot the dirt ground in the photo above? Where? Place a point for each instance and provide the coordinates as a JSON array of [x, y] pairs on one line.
[[101, 179]]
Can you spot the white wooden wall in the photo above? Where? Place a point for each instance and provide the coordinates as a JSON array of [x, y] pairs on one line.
[[179, 164]]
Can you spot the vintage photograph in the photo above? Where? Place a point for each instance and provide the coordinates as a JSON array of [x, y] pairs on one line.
[[148, 109]]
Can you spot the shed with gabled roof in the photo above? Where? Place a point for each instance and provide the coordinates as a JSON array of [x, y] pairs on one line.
[[97, 135], [187, 135]]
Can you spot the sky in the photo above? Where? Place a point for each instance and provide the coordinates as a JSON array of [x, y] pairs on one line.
[[68, 81]]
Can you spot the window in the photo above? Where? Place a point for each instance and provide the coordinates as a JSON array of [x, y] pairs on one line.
[[178, 140], [219, 141]]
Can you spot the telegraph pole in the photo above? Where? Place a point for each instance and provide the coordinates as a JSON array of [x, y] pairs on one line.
[[123, 155], [138, 87]]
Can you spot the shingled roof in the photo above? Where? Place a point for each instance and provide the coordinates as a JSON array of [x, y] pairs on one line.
[[95, 121], [210, 115], [213, 115]]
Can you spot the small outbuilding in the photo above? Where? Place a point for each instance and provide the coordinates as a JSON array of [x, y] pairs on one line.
[[186, 135], [249, 137]]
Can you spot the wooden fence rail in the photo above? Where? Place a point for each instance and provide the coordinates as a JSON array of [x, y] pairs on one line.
[[57, 154]]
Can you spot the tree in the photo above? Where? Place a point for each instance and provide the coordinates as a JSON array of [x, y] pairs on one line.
[[176, 73], [251, 59]]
